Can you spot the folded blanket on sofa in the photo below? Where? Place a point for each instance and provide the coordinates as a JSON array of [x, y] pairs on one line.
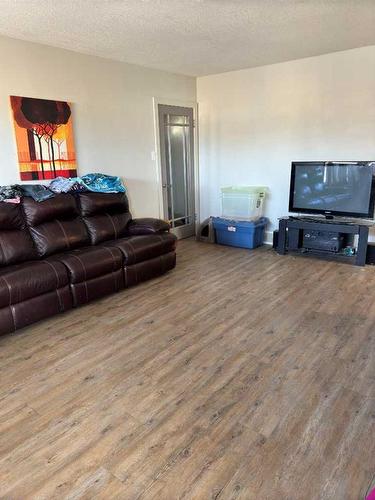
[[102, 183], [10, 193], [38, 192], [66, 185], [99, 183]]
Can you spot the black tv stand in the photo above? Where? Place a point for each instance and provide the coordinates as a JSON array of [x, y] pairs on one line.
[[292, 231]]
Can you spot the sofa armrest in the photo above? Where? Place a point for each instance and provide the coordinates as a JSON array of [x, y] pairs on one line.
[[147, 226]]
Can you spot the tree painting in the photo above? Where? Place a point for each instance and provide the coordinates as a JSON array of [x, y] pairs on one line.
[[44, 136]]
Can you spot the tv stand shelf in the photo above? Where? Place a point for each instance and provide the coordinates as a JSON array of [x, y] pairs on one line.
[[291, 229]]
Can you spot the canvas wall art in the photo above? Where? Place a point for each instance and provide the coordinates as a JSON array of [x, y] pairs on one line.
[[44, 137]]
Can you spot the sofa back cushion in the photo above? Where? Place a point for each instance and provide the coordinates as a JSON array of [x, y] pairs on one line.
[[16, 244], [106, 215], [55, 224]]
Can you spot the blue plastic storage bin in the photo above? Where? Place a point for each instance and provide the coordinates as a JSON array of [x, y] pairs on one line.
[[243, 234]]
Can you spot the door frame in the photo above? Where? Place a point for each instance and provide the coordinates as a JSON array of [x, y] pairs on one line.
[[157, 157]]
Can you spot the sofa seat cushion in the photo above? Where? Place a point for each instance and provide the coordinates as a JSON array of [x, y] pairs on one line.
[[90, 262], [30, 279], [139, 248]]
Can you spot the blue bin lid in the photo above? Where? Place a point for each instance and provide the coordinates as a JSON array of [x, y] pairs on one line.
[[262, 221]]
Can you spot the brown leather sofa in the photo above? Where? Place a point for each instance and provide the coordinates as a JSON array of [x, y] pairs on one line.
[[71, 249]]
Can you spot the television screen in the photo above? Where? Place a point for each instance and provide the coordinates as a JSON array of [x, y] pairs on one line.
[[338, 188]]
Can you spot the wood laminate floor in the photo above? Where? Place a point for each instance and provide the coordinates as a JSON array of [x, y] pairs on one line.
[[238, 375]]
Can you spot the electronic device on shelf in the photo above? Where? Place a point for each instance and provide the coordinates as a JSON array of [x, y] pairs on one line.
[[333, 188], [323, 240]]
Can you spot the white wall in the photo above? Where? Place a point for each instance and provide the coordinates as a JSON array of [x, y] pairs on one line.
[[112, 112], [254, 122]]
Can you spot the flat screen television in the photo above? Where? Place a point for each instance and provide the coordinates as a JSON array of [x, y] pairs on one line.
[[333, 188]]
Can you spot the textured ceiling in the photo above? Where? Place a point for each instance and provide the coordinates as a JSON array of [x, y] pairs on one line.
[[193, 37]]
